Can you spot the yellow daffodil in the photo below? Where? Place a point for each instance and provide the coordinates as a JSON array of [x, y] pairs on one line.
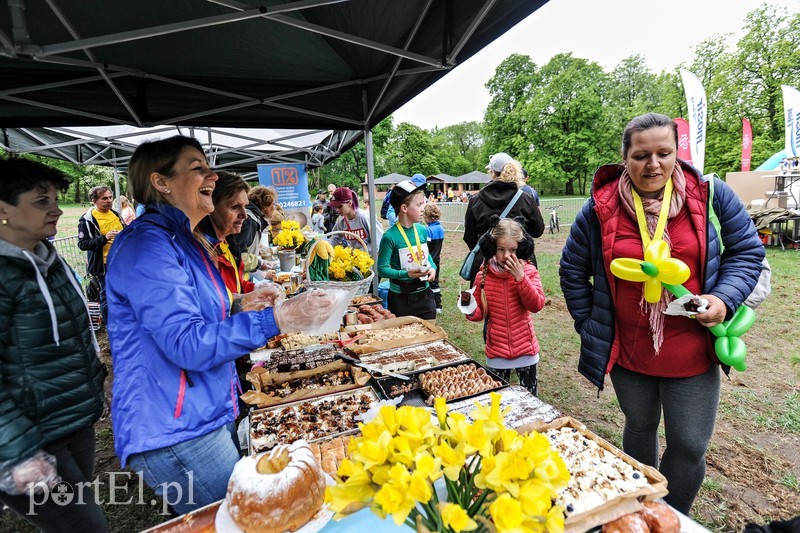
[[506, 512], [657, 268], [419, 488], [373, 452], [428, 465], [392, 465], [452, 459], [440, 406], [456, 518], [492, 411]]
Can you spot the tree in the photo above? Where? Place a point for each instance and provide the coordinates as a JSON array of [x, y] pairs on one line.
[[568, 125], [505, 120], [411, 150], [459, 147]]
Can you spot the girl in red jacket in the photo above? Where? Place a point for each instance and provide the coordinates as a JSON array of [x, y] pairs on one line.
[[506, 291]]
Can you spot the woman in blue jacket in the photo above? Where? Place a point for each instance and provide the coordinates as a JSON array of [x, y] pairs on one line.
[[656, 362], [175, 332]]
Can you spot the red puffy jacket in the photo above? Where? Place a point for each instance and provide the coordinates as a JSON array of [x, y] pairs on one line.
[[509, 332]]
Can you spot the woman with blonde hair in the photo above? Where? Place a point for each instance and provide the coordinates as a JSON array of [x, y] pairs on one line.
[[493, 199], [126, 210]]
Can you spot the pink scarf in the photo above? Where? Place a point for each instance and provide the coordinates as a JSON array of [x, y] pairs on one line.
[[652, 208]]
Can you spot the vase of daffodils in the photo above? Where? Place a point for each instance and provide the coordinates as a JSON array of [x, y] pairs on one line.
[[290, 240], [496, 479]]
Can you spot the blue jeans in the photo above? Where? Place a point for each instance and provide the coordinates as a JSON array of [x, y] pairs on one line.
[[190, 474]]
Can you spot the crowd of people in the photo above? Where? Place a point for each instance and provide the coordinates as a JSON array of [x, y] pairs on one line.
[[177, 291]]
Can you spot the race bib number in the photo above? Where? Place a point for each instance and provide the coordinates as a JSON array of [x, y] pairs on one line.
[[407, 256]]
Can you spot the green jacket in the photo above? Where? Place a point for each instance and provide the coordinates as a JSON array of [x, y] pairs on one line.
[[51, 381]]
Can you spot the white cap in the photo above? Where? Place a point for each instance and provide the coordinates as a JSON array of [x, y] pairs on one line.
[[498, 161]]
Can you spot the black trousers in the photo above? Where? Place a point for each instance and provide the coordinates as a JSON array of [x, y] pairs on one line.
[[526, 374], [419, 304], [75, 464]]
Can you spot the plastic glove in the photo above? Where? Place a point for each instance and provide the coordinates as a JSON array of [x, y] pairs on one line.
[[471, 306], [263, 295], [305, 312], [38, 471]]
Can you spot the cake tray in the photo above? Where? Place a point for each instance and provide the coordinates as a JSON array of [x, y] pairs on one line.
[[293, 413], [414, 394]]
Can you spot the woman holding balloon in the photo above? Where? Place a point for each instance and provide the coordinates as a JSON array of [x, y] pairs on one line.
[[647, 235]]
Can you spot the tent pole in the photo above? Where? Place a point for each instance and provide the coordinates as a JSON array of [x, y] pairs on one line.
[[373, 221], [116, 182]]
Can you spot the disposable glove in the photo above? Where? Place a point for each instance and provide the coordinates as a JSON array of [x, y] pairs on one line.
[[263, 295], [305, 312], [38, 471]]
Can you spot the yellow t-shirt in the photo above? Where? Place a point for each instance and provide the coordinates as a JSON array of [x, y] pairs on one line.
[[107, 222]]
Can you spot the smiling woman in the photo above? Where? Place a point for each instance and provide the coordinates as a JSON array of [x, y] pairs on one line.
[[230, 202], [174, 333]]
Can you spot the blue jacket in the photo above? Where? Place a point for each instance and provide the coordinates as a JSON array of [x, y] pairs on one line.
[[172, 340], [587, 255]]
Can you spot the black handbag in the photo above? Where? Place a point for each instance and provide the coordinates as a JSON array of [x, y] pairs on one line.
[[466, 268]]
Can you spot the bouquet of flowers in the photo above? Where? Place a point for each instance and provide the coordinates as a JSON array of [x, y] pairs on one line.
[[290, 237], [496, 479], [349, 264]]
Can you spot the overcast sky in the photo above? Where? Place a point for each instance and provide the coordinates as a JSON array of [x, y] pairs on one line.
[[603, 31]]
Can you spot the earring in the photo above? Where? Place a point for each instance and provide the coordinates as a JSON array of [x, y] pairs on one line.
[[5, 221], [167, 191]]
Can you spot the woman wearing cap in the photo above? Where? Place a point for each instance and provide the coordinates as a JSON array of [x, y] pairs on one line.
[[506, 174], [352, 219], [404, 257]]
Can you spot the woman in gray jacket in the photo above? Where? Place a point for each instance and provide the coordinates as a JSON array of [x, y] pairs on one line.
[[52, 381]]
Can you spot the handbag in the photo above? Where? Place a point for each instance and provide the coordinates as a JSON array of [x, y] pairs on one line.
[[466, 268]]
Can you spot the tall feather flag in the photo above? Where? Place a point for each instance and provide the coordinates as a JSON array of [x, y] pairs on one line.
[[684, 152], [698, 116], [747, 144], [791, 107]]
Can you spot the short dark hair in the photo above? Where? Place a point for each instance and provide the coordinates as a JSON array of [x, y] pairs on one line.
[[96, 192], [156, 156], [645, 122], [20, 175], [228, 184]]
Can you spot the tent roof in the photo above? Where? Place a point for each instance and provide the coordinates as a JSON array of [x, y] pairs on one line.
[[298, 64], [237, 150]]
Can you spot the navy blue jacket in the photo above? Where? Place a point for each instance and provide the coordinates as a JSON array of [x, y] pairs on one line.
[[587, 254]]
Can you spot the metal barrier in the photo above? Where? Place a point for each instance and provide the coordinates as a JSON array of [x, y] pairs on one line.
[[452, 218], [67, 247]]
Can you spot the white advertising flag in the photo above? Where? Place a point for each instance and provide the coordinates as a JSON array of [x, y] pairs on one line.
[[698, 113], [791, 107]]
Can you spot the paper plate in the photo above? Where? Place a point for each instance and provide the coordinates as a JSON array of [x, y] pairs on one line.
[[225, 524]]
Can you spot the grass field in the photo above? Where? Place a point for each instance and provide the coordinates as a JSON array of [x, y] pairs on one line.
[[754, 458]]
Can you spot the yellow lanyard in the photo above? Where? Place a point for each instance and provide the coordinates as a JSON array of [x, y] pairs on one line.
[[662, 216], [408, 243]]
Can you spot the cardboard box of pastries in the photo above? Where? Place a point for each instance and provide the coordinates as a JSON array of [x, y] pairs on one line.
[[285, 387], [613, 508], [392, 333]]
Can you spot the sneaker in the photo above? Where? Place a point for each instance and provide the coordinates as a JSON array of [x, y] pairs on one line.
[[438, 310]]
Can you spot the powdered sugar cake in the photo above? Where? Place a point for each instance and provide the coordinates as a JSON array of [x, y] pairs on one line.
[[525, 408], [416, 357]]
